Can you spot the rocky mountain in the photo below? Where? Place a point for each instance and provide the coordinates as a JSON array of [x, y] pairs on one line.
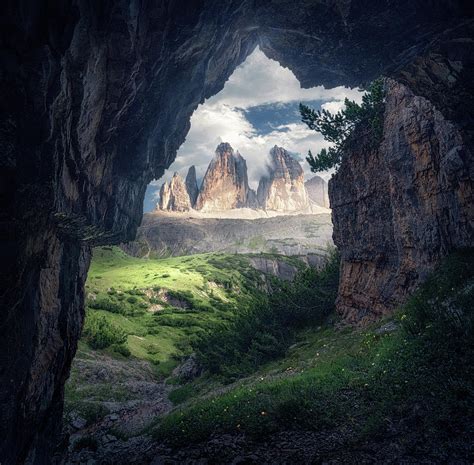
[[225, 184], [192, 186], [174, 195], [317, 190], [283, 188]]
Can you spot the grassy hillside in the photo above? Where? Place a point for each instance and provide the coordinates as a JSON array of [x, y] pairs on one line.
[[406, 383], [144, 316], [280, 376], [161, 305]]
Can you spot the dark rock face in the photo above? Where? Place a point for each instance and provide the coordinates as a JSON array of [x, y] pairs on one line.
[[317, 189], [225, 185], [406, 205], [283, 189], [191, 185], [95, 99]]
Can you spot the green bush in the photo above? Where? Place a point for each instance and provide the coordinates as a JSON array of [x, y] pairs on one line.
[[267, 329], [99, 333], [121, 349], [175, 322], [105, 304]]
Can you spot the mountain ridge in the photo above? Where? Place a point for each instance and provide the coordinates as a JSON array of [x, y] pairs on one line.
[[225, 186]]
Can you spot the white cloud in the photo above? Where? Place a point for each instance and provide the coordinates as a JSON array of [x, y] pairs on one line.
[[334, 106], [222, 118]]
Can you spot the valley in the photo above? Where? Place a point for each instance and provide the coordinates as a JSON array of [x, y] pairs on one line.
[[327, 390]]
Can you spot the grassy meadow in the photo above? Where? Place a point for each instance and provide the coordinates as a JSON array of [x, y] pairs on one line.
[[162, 304]]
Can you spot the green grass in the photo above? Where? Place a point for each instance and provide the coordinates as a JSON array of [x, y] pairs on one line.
[[417, 381], [161, 304]]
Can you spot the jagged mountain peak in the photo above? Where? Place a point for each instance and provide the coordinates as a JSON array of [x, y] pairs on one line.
[[317, 189], [225, 184], [174, 195], [224, 147], [283, 188]]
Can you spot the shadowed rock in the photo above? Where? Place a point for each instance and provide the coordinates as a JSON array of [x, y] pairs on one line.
[[191, 185]]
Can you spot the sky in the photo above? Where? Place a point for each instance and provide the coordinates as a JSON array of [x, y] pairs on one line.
[[257, 109]]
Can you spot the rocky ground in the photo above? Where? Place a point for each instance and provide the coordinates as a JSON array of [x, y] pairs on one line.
[[118, 399]]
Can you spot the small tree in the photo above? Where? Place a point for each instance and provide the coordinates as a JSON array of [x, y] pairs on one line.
[[337, 128]]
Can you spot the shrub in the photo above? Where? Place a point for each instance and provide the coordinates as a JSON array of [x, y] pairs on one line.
[[132, 299], [264, 331], [99, 333], [105, 304], [121, 349]]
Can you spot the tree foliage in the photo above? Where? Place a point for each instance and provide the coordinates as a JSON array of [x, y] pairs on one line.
[[266, 330], [337, 128]]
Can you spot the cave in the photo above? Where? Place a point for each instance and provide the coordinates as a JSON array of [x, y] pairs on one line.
[[96, 99]]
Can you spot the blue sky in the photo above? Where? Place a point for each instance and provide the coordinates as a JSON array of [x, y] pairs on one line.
[[257, 109]]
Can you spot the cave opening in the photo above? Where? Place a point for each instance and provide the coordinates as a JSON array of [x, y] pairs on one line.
[[256, 110], [135, 296]]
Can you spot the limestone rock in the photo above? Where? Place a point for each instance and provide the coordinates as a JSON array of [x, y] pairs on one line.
[[397, 210], [317, 189], [174, 195], [225, 184], [283, 189]]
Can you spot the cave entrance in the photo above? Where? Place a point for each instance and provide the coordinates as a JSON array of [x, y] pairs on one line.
[[148, 307], [97, 98]]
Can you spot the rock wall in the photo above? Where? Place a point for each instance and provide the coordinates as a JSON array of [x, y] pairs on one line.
[[399, 209], [95, 99]]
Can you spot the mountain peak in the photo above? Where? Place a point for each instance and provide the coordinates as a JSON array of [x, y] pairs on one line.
[[191, 185], [283, 189], [224, 147], [174, 195], [225, 184]]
